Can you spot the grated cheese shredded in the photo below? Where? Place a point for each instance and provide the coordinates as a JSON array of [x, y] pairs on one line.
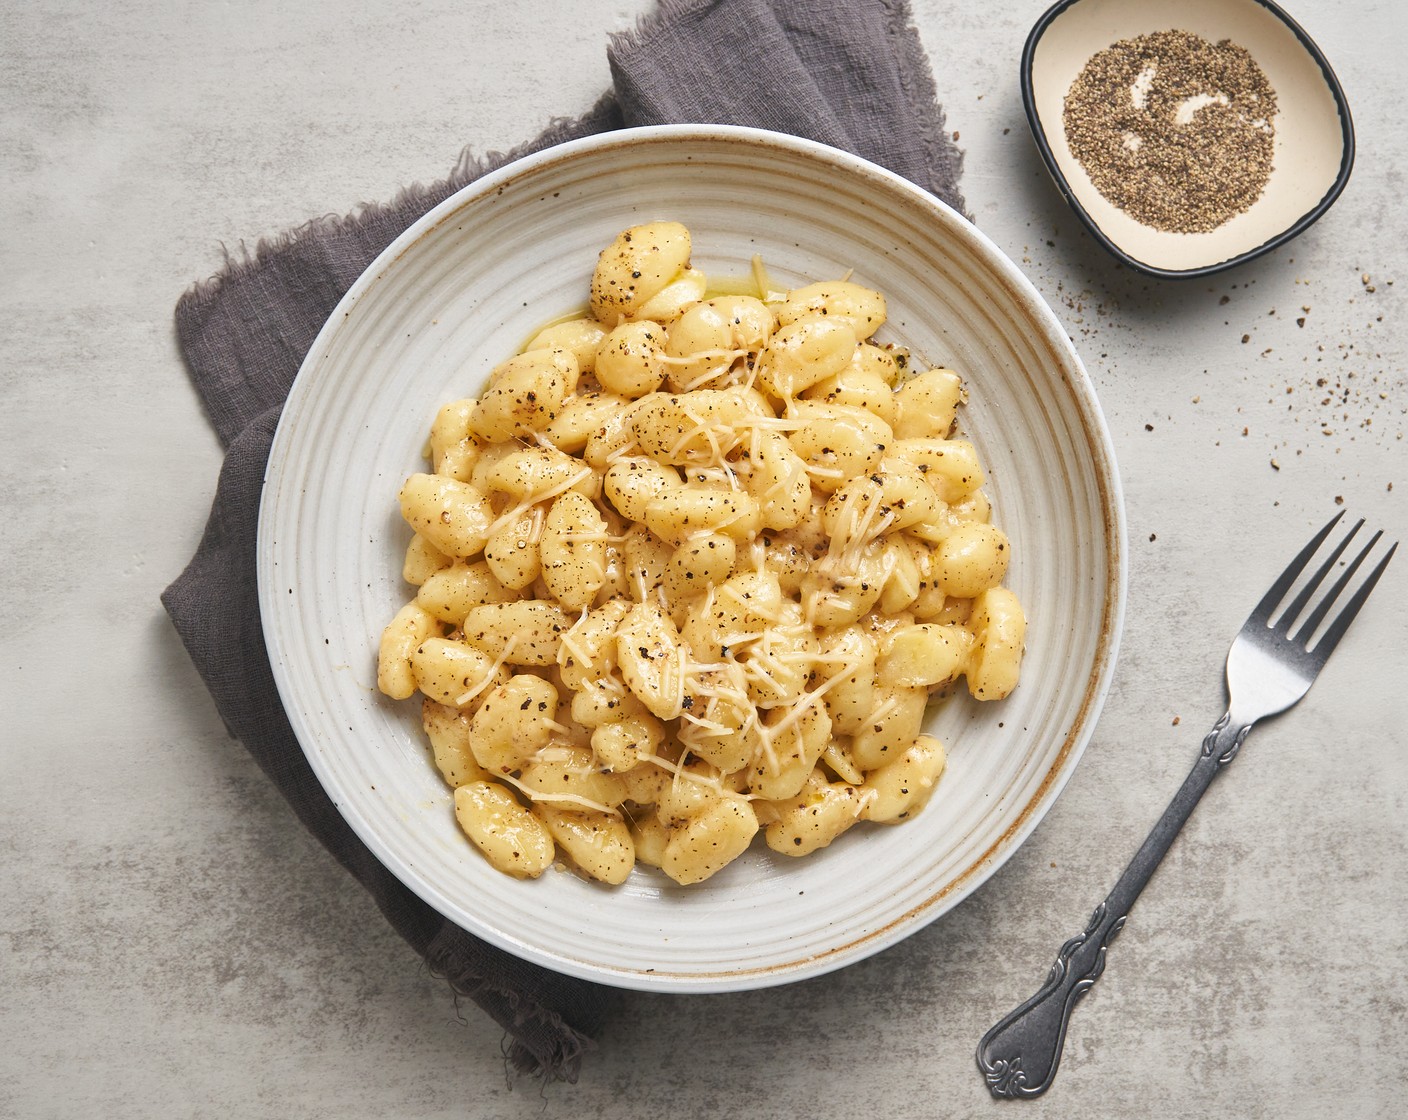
[[492, 675], [504, 520], [886, 706], [557, 798]]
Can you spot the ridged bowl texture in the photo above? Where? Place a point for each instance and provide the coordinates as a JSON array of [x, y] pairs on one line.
[[463, 289]]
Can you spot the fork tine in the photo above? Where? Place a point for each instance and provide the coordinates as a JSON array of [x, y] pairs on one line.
[[1283, 582], [1291, 613], [1326, 645], [1303, 634]]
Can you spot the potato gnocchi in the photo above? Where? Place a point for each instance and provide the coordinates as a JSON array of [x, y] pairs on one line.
[[691, 568]]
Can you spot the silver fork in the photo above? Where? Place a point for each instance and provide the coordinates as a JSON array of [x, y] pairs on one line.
[[1268, 669]]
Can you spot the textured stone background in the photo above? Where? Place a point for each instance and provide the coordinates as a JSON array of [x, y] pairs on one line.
[[175, 945]]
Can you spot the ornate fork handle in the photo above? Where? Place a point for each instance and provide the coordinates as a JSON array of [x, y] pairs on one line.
[[1020, 1054]]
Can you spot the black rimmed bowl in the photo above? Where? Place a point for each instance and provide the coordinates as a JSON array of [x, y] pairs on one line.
[[1313, 148]]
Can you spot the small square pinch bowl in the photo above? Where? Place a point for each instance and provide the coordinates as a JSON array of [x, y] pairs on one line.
[[1189, 138]]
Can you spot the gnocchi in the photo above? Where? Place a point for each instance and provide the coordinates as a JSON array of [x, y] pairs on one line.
[[691, 568]]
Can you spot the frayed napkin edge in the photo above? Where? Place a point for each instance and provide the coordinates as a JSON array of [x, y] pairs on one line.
[[538, 1042], [917, 80]]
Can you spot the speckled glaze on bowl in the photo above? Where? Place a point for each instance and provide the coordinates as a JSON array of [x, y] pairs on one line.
[[1314, 144], [462, 289]]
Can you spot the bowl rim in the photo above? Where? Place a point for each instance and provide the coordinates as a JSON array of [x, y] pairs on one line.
[[1076, 738], [1063, 185]]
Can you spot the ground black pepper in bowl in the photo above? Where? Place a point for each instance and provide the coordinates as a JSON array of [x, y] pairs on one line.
[[1174, 130]]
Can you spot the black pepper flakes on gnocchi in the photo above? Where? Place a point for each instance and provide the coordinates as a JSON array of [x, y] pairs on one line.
[[691, 568]]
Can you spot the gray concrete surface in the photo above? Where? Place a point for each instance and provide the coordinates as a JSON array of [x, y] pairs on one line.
[[172, 943]]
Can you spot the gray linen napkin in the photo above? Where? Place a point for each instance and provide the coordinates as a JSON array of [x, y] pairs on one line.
[[850, 73]]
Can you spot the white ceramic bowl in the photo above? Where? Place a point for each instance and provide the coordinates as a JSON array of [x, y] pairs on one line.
[[1314, 136], [462, 289]]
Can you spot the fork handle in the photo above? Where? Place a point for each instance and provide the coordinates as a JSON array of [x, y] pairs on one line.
[[1019, 1055]]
